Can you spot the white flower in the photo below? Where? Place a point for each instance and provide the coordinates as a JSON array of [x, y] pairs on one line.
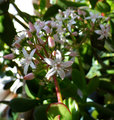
[[56, 38], [70, 23], [68, 13], [57, 65], [93, 17], [104, 32], [39, 25], [28, 60]]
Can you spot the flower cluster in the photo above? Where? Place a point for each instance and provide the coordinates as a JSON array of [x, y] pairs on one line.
[[47, 41]]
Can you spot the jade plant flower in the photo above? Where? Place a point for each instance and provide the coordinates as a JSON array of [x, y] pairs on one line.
[[57, 65], [104, 32], [93, 17], [18, 40], [28, 60]]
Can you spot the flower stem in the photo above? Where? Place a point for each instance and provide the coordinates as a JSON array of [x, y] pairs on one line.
[[45, 51], [40, 55], [59, 96]]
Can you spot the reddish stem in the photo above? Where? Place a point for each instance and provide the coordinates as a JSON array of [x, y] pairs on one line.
[[40, 55], [58, 92], [45, 51]]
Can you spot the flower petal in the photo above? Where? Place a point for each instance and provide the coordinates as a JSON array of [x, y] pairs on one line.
[[102, 27], [25, 52], [32, 53], [61, 73], [93, 20], [88, 18], [66, 64], [50, 73], [49, 61], [26, 68], [101, 37], [58, 56], [98, 32], [32, 65]]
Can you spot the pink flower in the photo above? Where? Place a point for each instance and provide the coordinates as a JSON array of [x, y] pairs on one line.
[[51, 42], [9, 56], [29, 76]]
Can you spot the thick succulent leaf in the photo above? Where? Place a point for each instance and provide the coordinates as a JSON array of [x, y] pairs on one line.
[[103, 6], [92, 86], [57, 117], [40, 112], [61, 109], [22, 104], [93, 3], [78, 79], [73, 107], [51, 12], [65, 4]]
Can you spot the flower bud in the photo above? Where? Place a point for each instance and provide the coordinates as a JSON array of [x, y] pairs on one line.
[[51, 42], [38, 47], [29, 76], [17, 45], [41, 41], [9, 56], [31, 26], [75, 33], [29, 34], [30, 43], [54, 53]]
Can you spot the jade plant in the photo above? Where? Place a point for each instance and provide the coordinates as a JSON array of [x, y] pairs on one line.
[[62, 66]]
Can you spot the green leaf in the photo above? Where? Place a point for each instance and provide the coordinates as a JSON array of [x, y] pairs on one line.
[[107, 86], [28, 92], [103, 111], [51, 12], [73, 107], [4, 5], [33, 86], [8, 85], [22, 104], [110, 106], [65, 4], [55, 109], [9, 32], [69, 89], [112, 27], [93, 3], [24, 15], [78, 79], [94, 70], [92, 86], [9, 73], [42, 4], [103, 6], [57, 117], [40, 112]]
